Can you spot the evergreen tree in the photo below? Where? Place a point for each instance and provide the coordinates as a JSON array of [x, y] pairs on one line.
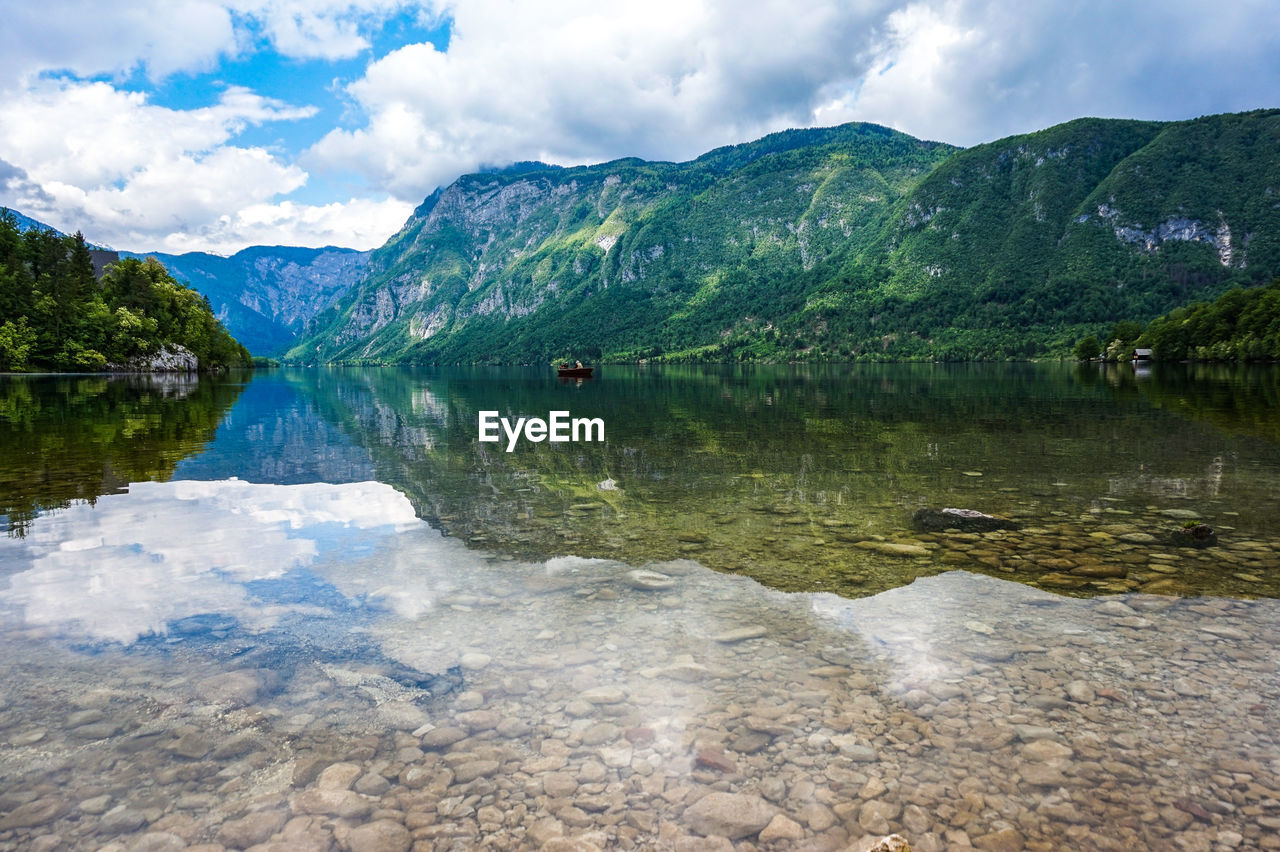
[[54, 314]]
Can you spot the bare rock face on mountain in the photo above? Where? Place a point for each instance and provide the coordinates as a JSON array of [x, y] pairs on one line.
[[268, 296]]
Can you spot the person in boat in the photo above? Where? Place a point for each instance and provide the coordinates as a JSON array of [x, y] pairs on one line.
[[577, 365]]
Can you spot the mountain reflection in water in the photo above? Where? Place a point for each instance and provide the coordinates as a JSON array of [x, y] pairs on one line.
[[794, 475]]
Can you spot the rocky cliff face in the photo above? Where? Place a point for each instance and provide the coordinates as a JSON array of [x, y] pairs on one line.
[[266, 295], [476, 249]]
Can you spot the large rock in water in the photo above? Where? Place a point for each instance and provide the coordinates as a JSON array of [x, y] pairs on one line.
[[171, 358], [965, 520], [731, 815], [1194, 535]]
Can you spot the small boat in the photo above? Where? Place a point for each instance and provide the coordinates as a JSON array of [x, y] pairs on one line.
[[574, 372]]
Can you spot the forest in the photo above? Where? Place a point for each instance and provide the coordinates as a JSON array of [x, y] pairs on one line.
[[56, 315], [1241, 325]]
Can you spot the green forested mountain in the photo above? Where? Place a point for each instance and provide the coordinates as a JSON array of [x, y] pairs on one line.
[[56, 315], [627, 259], [846, 242], [1080, 226]]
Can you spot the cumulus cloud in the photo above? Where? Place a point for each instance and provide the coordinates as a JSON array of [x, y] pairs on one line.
[[123, 168], [566, 82], [360, 223], [89, 154], [162, 37], [327, 29], [970, 71], [90, 134], [86, 38], [26, 193]]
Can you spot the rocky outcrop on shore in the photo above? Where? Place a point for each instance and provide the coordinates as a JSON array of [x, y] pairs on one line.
[[171, 358]]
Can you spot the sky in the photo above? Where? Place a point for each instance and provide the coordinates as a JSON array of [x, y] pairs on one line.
[[211, 125]]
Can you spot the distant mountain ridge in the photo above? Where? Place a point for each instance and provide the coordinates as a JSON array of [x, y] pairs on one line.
[[267, 295], [26, 223], [847, 242]]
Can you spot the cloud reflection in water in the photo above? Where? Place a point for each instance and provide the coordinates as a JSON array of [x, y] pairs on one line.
[[129, 565]]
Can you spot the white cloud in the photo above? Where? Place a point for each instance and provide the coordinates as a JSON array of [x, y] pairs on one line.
[[568, 82], [970, 71], [89, 155], [90, 134], [564, 81], [135, 175], [318, 29], [162, 37], [15, 183], [127, 171], [86, 37], [359, 223]]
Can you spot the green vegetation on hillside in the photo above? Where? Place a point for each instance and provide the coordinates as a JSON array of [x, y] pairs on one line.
[[627, 260], [1240, 325], [54, 314], [1243, 324]]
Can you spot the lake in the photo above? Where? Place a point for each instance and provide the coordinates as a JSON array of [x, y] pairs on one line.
[[310, 610]]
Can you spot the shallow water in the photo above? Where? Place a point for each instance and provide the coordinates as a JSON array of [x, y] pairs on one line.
[[296, 657]]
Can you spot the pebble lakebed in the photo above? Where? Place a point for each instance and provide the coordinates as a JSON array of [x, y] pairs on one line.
[[798, 547], [601, 706]]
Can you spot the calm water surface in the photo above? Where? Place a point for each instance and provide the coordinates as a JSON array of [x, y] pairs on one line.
[[309, 609]]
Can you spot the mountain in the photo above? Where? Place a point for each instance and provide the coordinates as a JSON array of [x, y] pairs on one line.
[[626, 259], [266, 295], [847, 242], [26, 223], [1076, 227]]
